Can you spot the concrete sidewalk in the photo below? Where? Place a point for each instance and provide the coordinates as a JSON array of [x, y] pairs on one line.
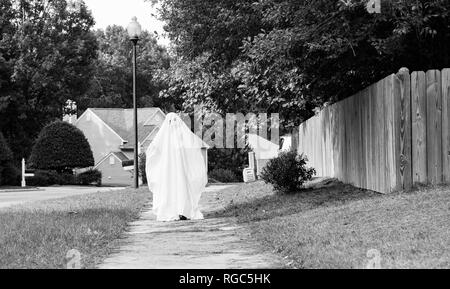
[[216, 243]]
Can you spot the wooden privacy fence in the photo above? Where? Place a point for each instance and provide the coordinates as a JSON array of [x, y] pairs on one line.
[[388, 136]]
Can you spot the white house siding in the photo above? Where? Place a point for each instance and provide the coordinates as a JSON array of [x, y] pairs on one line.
[[114, 174], [101, 138], [157, 119]]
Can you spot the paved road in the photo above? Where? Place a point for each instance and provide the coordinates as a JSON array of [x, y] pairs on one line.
[[214, 243], [14, 198]]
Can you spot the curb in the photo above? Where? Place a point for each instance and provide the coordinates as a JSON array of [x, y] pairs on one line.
[[21, 190]]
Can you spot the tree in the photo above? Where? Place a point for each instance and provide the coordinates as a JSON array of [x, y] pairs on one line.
[[111, 85], [324, 51], [6, 158], [47, 52], [293, 56], [5, 152], [61, 147], [215, 27], [207, 36]]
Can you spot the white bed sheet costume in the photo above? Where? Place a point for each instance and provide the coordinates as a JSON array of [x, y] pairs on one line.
[[176, 171]]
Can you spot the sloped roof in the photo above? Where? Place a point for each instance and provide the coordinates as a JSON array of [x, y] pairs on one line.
[[121, 156], [121, 121], [263, 148]]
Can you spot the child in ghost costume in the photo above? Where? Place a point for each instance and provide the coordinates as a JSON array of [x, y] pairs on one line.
[[176, 171]]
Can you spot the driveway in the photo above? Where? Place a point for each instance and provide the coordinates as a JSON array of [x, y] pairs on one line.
[[19, 197]]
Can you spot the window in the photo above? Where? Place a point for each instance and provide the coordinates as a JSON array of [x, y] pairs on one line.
[[88, 117], [112, 160]]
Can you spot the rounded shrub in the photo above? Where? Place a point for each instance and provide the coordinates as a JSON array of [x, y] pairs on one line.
[[287, 172], [62, 147]]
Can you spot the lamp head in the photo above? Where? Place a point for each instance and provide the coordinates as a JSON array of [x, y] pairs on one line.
[[134, 29]]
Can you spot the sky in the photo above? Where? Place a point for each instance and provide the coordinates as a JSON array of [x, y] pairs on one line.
[[120, 12]]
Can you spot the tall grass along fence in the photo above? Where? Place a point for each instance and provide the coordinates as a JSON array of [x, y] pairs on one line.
[[386, 138]]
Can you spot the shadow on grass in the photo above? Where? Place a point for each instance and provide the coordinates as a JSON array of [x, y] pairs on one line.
[[249, 204], [333, 225]]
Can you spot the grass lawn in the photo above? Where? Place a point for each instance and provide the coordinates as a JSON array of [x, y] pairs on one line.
[[40, 234], [335, 226]]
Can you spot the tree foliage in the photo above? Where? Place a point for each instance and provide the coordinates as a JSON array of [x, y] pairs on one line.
[[111, 85], [46, 57], [293, 56], [61, 147], [5, 152], [6, 158]]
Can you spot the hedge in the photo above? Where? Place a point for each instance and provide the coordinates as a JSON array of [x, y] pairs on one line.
[[48, 178], [61, 147]]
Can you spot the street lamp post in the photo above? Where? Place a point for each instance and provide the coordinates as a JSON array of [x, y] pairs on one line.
[[134, 31]]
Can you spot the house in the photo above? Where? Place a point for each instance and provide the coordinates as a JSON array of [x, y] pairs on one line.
[[111, 136], [110, 133], [263, 150]]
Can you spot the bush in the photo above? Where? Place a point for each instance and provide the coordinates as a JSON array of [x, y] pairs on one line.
[[223, 175], [62, 147], [89, 177], [142, 172], [44, 178], [287, 172], [234, 160], [49, 178], [39, 180], [65, 178]]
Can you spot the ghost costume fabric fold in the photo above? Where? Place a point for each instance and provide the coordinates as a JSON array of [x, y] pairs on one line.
[[176, 171]]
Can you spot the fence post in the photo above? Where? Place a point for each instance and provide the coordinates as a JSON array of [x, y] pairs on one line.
[[446, 125], [434, 126], [403, 123], [419, 127]]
